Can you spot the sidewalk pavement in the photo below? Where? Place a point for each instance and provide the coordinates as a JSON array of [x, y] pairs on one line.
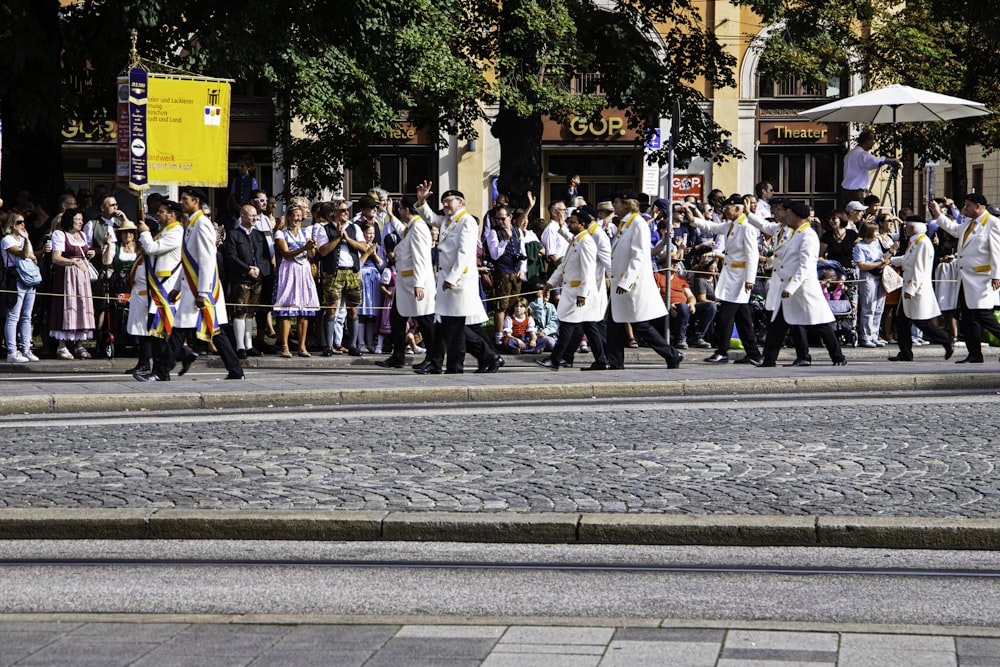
[[95, 386], [576, 642]]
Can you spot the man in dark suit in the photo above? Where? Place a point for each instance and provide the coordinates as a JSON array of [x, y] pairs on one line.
[[247, 264]]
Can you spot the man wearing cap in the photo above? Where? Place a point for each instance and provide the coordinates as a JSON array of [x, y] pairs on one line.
[[978, 260], [855, 212], [579, 301], [802, 300], [857, 165], [739, 272], [780, 233], [457, 279], [202, 306], [635, 298], [415, 285], [919, 304], [606, 218]]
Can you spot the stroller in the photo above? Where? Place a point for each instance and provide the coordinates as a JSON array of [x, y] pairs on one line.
[[845, 303]]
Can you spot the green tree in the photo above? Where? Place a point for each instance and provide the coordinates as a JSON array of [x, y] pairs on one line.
[[937, 45], [349, 71]]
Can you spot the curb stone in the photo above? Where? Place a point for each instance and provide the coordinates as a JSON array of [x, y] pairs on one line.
[[499, 527]]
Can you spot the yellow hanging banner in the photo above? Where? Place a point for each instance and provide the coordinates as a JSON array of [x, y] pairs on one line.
[[187, 129]]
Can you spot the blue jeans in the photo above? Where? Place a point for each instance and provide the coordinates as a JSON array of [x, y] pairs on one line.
[[19, 319]]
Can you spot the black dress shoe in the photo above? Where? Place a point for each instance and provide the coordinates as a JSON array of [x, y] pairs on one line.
[[254, 352], [427, 370], [596, 366], [970, 360], [771, 364], [235, 376], [718, 359], [327, 352], [495, 364], [421, 364], [389, 363], [676, 363], [565, 364], [840, 362], [354, 352], [241, 354], [138, 368], [756, 361], [189, 359], [547, 363], [948, 351], [149, 377], [799, 362], [901, 357]]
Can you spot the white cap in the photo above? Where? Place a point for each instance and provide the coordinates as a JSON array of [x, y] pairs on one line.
[[855, 206]]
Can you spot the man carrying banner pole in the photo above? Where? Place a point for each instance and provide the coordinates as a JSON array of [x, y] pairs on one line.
[[202, 307]]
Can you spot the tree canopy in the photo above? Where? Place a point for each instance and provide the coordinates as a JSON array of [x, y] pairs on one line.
[[347, 72], [940, 45]]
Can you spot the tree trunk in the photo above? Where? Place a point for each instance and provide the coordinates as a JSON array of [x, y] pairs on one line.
[[520, 155], [32, 161], [959, 172]]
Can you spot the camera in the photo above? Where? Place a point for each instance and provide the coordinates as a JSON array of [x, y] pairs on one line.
[[520, 257]]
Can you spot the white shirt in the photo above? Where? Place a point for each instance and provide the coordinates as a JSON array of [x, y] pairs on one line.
[[857, 164], [555, 244], [764, 209]]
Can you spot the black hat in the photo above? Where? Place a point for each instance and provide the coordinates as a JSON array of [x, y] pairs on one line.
[[779, 201], [976, 198], [173, 206], [192, 191], [452, 193], [588, 209], [409, 202], [914, 218], [798, 208], [368, 201], [583, 216], [625, 194], [734, 200]]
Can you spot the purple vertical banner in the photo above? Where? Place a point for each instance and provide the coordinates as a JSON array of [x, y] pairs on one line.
[[138, 93]]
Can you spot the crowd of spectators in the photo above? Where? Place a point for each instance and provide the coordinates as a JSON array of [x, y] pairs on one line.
[[329, 268]]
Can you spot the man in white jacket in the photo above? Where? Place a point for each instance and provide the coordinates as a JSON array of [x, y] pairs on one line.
[[579, 294], [739, 272], [457, 294], [919, 304], [978, 260], [802, 300], [635, 298]]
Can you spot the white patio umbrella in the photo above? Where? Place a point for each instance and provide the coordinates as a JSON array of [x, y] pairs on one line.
[[896, 104]]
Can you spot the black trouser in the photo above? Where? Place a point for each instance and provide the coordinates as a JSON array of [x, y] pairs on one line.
[[568, 340], [397, 324], [973, 321], [479, 346], [742, 315], [778, 327], [648, 331], [449, 338], [932, 332], [167, 352], [772, 346]]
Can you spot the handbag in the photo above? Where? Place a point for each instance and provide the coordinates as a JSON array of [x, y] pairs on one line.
[[92, 273], [891, 281], [28, 273]]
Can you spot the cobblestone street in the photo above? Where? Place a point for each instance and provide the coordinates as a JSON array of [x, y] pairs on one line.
[[850, 456]]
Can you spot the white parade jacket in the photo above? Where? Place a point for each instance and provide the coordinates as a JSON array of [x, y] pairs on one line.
[[414, 268], [199, 242], [796, 272], [977, 257], [780, 235], [576, 274], [456, 263], [632, 270], [742, 257], [917, 264]]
